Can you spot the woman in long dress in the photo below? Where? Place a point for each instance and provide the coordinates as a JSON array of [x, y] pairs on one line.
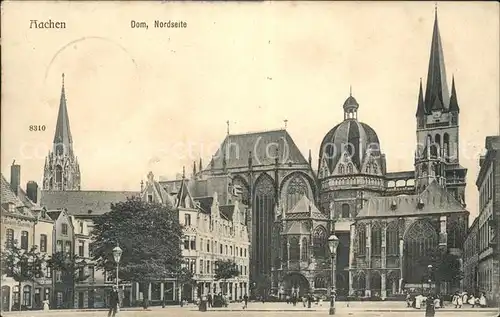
[[482, 301], [46, 305]]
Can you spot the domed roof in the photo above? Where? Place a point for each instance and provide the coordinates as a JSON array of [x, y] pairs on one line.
[[349, 136], [351, 102]]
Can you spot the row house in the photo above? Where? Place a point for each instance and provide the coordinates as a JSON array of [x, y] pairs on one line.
[[214, 229], [485, 231], [24, 222]]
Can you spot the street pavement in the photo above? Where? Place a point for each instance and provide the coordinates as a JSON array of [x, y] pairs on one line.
[[257, 309]]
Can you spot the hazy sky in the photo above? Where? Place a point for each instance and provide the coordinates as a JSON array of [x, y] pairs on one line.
[[154, 100]]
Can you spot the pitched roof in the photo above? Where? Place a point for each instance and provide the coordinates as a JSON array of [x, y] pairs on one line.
[[227, 211], [81, 202], [305, 206], [435, 200], [205, 203], [7, 196], [54, 214], [262, 145], [297, 228]]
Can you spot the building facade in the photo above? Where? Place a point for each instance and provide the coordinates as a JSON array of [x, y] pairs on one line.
[[471, 258], [24, 222], [214, 229], [488, 184]]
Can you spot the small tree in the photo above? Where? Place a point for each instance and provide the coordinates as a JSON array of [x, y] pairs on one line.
[[224, 270], [22, 265], [71, 267], [263, 284], [445, 266]]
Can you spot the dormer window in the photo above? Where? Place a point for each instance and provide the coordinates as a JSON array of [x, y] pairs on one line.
[[150, 198]]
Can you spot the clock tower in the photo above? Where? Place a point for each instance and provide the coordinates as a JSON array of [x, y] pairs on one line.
[[437, 154]]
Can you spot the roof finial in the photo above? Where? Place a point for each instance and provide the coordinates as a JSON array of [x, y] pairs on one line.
[[227, 122], [350, 90], [63, 80], [183, 172], [286, 121], [435, 9]]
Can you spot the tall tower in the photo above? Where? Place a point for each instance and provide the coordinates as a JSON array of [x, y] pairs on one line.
[[61, 171], [437, 154]]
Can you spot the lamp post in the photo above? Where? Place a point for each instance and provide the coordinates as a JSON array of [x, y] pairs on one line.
[[117, 254], [429, 269], [333, 243]]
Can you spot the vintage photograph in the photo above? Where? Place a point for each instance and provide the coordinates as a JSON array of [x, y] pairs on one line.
[[246, 158]]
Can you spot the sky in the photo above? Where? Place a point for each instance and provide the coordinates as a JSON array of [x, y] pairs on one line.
[[157, 99]]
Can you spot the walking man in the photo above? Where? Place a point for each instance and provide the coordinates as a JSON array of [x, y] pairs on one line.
[[245, 298], [114, 301]]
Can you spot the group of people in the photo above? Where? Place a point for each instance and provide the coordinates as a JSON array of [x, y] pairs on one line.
[[460, 299], [307, 300]]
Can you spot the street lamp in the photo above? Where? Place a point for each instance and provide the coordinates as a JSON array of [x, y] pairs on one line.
[[117, 254], [333, 243], [429, 268]]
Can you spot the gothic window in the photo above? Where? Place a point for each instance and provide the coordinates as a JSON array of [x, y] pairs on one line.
[[376, 239], [297, 188], [375, 168], [341, 169], [319, 242], [446, 146], [284, 249], [349, 168], [361, 239], [303, 253], [392, 238], [24, 240], [294, 249], [368, 168], [437, 139], [420, 239], [263, 215], [245, 196], [345, 211], [276, 245], [454, 233], [9, 233], [59, 176]]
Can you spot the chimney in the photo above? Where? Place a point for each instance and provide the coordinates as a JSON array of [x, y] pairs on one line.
[[32, 191], [15, 176]]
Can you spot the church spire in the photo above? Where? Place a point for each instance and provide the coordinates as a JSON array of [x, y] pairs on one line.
[[63, 142], [437, 87], [420, 105], [453, 98]]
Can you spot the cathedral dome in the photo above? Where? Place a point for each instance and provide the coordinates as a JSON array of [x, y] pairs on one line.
[[351, 140]]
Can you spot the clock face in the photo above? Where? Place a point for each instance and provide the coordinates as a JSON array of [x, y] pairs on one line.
[[436, 114]]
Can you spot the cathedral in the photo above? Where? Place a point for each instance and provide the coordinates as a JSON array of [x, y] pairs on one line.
[[384, 220]]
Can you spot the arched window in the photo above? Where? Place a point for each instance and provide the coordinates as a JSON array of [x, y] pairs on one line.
[[345, 211], [59, 177], [361, 239], [294, 249], [376, 239], [392, 238], [27, 295], [446, 146], [434, 151], [437, 139], [319, 241], [375, 168], [349, 168], [368, 168], [263, 213], [297, 187], [303, 253], [341, 169], [238, 182], [421, 239]]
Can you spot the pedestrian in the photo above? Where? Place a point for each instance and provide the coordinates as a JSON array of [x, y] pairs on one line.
[[482, 300], [245, 298], [459, 301], [304, 300], [46, 305], [113, 301], [209, 300], [472, 300]]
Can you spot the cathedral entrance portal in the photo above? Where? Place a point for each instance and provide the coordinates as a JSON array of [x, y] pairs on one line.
[[296, 283]]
